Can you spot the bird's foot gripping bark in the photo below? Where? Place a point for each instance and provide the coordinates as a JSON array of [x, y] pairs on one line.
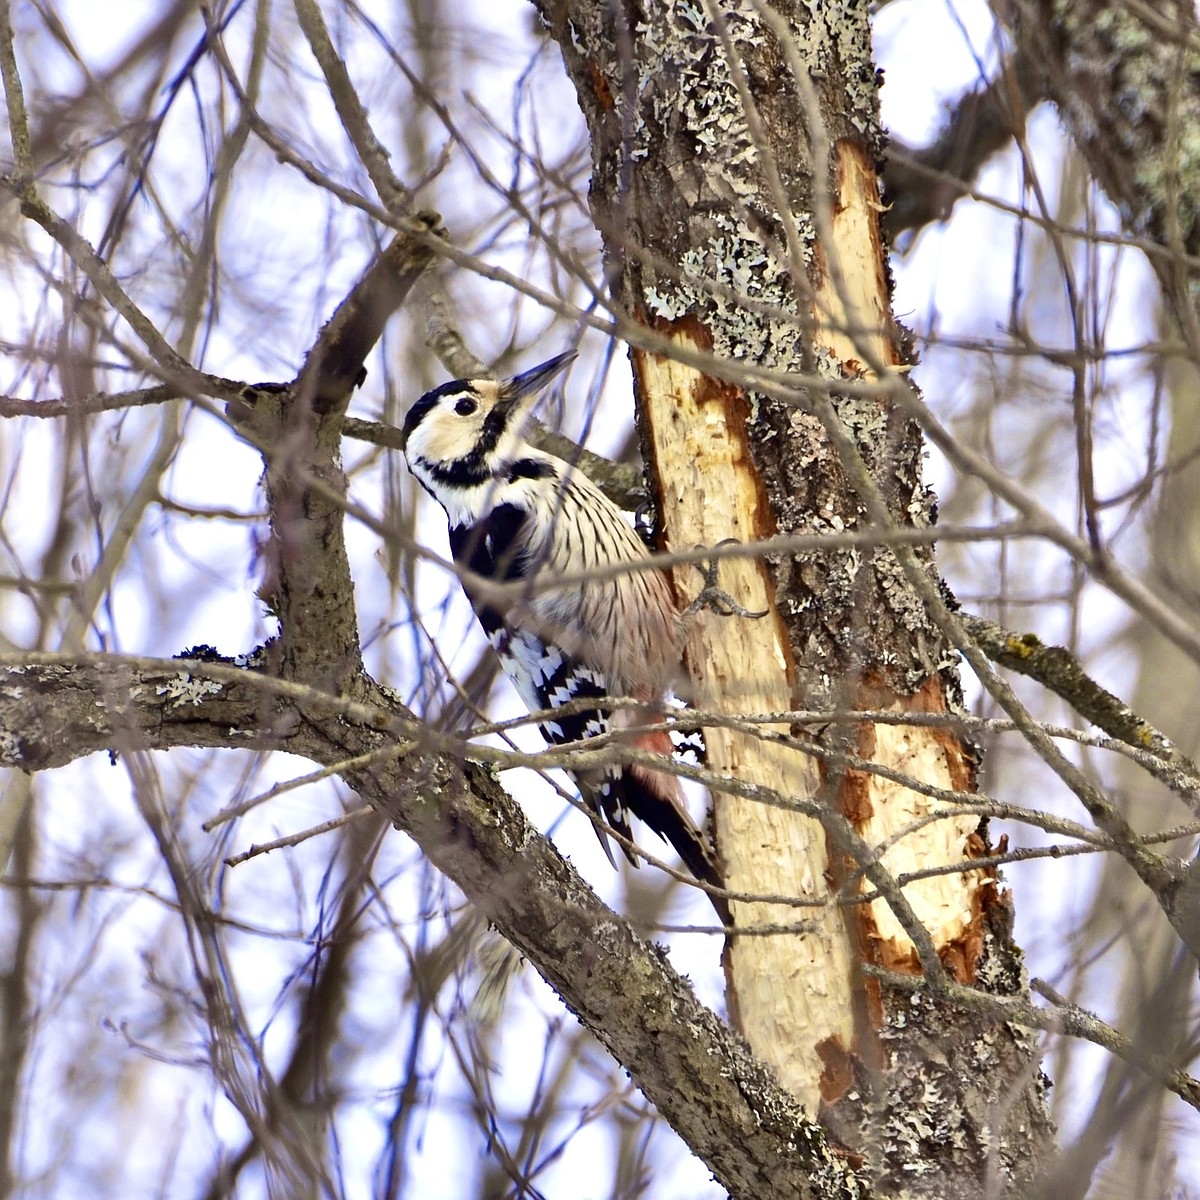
[[714, 597]]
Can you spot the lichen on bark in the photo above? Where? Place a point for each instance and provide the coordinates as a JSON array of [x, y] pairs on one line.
[[735, 150]]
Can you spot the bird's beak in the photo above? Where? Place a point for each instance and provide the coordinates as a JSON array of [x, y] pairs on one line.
[[535, 379]]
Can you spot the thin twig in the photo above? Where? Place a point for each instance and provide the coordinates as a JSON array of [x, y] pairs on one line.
[[294, 839]]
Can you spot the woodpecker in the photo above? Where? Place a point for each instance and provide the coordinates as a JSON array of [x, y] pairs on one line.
[[518, 515]]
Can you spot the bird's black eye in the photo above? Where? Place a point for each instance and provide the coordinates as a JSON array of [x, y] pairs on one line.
[[465, 407]]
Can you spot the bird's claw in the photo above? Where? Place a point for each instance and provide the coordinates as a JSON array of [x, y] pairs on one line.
[[714, 597]]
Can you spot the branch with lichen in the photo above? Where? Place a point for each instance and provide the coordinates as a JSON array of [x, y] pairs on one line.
[[1057, 669], [1124, 79], [689, 1063]]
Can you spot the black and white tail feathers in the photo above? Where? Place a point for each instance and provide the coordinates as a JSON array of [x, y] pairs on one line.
[[522, 517], [546, 679]]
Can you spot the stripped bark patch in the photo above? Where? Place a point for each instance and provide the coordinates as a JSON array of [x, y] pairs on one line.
[[853, 314], [918, 832], [790, 990], [852, 303]]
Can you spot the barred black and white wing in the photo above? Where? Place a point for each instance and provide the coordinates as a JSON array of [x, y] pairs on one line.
[[588, 617], [547, 677]]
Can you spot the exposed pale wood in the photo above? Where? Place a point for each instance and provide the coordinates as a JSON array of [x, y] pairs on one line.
[[708, 187], [853, 309], [947, 905], [791, 992], [853, 323]]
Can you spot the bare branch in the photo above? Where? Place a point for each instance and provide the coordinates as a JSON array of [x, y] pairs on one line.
[[1059, 670], [922, 184], [698, 1073]]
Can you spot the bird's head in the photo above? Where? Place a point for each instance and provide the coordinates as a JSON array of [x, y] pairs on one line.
[[467, 430]]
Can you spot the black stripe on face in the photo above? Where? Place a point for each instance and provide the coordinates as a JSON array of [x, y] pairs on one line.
[[470, 471], [529, 468], [495, 423], [461, 473]]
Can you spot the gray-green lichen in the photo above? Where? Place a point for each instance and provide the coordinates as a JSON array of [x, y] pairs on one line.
[[677, 48], [11, 751], [187, 689], [1131, 100], [1152, 84], [741, 288], [729, 268], [945, 1118]]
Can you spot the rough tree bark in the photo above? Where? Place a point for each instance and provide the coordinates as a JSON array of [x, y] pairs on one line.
[[735, 241], [1126, 80], [735, 153], [308, 693]]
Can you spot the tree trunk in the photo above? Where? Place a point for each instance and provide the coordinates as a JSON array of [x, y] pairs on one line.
[[734, 181], [1126, 81]]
